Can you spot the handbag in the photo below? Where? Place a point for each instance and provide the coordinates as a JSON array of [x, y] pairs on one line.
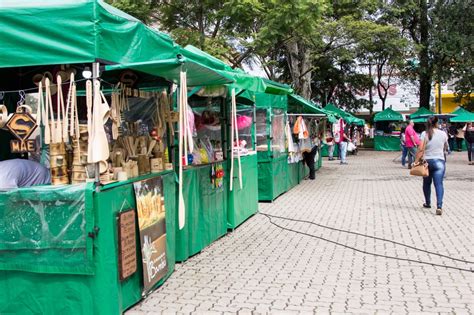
[[420, 167]]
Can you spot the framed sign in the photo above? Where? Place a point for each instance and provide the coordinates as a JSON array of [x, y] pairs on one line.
[[127, 243], [152, 225]]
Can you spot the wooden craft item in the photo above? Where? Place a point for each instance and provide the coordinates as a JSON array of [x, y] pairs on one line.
[[143, 164], [156, 165]]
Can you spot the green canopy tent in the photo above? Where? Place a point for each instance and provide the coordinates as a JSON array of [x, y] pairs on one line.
[[385, 139], [74, 32], [462, 115], [421, 112], [388, 115], [59, 32], [348, 117]]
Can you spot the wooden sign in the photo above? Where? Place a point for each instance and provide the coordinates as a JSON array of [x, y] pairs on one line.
[[127, 244], [22, 125]]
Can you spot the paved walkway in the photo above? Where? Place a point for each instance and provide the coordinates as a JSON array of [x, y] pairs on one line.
[[262, 269]]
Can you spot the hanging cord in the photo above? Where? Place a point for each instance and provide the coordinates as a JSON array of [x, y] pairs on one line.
[[269, 217]]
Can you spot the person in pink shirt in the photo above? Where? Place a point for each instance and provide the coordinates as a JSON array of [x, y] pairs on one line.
[[411, 142]]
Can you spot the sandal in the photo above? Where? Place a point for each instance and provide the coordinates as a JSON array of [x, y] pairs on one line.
[[426, 206]]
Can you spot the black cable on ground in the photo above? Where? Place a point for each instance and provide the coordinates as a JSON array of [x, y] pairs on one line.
[[369, 236], [363, 251]]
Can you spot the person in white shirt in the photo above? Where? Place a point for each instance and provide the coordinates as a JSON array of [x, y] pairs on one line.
[[434, 145]]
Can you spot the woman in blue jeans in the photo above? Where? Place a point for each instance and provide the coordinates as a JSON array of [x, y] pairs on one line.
[[435, 144]]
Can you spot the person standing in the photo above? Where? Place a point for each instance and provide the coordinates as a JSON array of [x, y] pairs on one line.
[[411, 142], [403, 146], [330, 143], [345, 139], [452, 131], [469, 137], [433, 147], [459, 138]]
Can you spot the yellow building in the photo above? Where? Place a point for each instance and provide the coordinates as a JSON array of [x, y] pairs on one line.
[[448, 103]]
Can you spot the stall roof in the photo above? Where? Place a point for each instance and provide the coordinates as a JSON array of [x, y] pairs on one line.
[[197, 73], [420, 115], [265, 100], [349, 118], [298, 104], [76, 31], [462, 115], [388, 115]]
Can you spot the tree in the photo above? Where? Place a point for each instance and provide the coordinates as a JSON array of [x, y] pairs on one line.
[[383, 47], [144, 10]]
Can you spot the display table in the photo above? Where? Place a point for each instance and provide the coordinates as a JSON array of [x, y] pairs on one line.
[[206, 211], [62, 258], [243, 203], [387, 143]]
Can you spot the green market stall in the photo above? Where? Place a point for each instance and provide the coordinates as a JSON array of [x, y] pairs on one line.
[[315, 119], [71, 264], [242, 200], [271, 150], [462, 116], [387, 131], [62, 247], [335, 113]]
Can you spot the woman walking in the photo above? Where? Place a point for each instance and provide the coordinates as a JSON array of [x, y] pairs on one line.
[[434, 146], [469, 137]]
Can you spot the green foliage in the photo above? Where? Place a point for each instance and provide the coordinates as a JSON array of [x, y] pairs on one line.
[[317, 46], [140, 9]]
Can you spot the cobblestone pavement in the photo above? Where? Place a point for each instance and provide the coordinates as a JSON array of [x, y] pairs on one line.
[[262, 269]]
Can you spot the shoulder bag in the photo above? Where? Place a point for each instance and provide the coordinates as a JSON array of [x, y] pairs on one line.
[[420, 167]]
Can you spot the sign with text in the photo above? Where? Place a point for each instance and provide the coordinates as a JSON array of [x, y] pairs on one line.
[[22, 125], [127, 244], [152, 225]]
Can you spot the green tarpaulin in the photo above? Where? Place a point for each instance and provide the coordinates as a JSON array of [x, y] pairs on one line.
[[388, 115], [264, 100], [297, 104], [386, 143], [272, 178], [206, 211], [349, 118], [69, 31], [170, 69], [462, 115], [243, 203], [67, 292], [421, 111]]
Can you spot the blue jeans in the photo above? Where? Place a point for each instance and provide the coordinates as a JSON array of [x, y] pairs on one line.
[[411, 155], [470, 150], [436, 169], [404, 155], [343, 148]]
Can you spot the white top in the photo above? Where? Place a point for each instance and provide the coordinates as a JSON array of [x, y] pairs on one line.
[[434, 148]]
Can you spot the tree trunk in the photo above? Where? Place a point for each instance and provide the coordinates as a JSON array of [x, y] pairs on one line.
[[299, 64], [371, 97], [425, 69]]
